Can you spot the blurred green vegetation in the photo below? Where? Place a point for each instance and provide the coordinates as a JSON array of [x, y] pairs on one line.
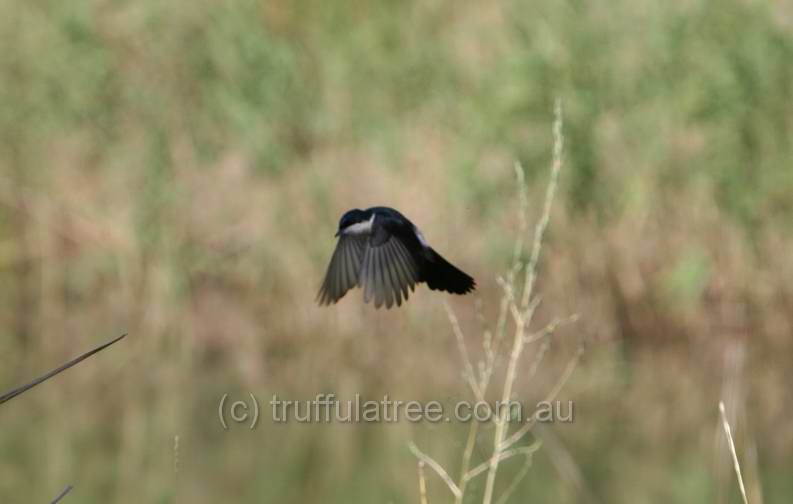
[[699, 92], [168, 169]]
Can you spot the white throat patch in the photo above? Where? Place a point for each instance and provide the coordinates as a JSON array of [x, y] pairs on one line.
[[360, 228]]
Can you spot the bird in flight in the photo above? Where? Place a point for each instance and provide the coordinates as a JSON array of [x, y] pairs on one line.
[[385, 254]]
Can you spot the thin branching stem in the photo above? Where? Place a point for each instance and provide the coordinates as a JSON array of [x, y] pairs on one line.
[[468, 452], [524, 450], [526, 427], [513, 485], [435, 466], [524, 315], [469, 368], [520, 311], [550, 192]]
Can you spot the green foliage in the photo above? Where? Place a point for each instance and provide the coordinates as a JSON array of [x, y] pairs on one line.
[[676, 92], [686, 280]]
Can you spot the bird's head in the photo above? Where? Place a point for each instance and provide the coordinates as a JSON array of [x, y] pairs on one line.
[[350, 218]]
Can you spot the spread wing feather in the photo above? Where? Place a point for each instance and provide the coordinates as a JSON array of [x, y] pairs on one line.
[[343, 270], [388, 272]]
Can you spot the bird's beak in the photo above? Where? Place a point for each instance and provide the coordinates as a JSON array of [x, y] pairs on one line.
[[337, 234]]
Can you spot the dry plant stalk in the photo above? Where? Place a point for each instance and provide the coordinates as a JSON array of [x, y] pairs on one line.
[[520, 310], [728, 432], [41, 379], [422, 484], [62, 494]]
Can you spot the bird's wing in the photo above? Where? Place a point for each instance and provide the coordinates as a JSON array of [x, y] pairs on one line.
[[343, 270], [387, 271]]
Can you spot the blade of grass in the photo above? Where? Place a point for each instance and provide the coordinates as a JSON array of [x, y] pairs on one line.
[[62, 494], [24, 388]]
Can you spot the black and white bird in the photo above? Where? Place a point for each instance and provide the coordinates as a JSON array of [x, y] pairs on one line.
[[386, 255]]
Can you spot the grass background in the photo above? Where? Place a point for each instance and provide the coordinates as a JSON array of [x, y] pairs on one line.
[[176, 170]]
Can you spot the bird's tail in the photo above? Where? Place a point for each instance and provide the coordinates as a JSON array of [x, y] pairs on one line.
[[440, 274]]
